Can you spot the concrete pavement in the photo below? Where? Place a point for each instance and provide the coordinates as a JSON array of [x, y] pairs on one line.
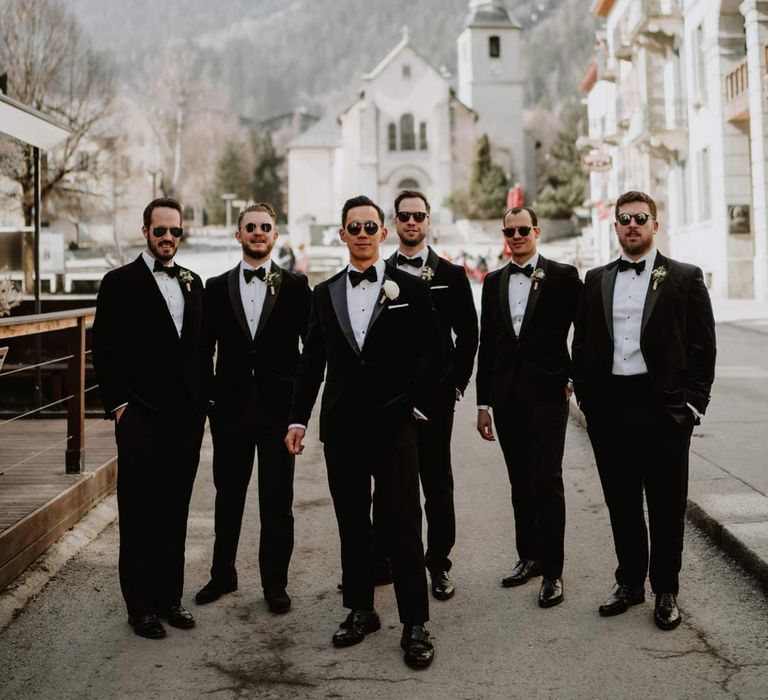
[[72, 640]]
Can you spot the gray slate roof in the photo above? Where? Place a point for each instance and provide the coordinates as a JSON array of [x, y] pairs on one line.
[[325, 134]]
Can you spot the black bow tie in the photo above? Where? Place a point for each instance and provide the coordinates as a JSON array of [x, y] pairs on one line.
[[356, 277], [638, 267], [249, 274], [527, 270], [170, 270], [415, 262]]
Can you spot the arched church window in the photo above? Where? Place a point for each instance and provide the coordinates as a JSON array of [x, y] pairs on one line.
[[392, 137], [423, 136], [494, 47], [406, 71], [407, 133], [408, 184]]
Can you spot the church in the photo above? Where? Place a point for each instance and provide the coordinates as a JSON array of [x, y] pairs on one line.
[[413, 127]]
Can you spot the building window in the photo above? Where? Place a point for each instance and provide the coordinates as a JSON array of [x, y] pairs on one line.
[[392, 137], [423, 136], [408, 184], [406, 72], [705, 209], [407, 133], [699, 72], [494, 47]]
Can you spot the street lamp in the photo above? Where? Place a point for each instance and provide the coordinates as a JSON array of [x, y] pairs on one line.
[[228, 197]]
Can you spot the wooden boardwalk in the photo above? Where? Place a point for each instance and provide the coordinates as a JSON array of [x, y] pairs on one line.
[[38, 500]]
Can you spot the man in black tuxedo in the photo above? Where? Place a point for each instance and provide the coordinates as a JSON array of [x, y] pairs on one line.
[[455, 306], [255, 315], [146, 351], [523, 371], [373, 333], [644, 362]]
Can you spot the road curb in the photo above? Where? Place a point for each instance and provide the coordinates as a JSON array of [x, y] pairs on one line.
[[732, 514]]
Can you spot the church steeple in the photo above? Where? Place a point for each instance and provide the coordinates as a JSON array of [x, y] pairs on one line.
[[489, 14]]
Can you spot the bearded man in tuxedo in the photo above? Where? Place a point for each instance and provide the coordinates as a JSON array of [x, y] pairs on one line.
[[644, 363], [256, 314], [373, 335], [146, 351]]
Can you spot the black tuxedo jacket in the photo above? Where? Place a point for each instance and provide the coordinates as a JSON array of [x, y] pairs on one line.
[[137, 353], [270, 356], [541, 350], [455, 307], [677, 337], [370, 392]]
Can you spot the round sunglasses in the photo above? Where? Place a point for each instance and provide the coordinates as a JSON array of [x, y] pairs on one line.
[[641, 218], [418, 216], [355, 227], [265, 227]]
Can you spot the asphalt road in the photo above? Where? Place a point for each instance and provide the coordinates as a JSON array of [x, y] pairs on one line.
[[72, 640]]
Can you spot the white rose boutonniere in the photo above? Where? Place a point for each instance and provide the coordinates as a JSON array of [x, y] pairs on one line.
[[272, 279], [537, 276], [658, 275], [185, 276], [389, 290], [427, 273]]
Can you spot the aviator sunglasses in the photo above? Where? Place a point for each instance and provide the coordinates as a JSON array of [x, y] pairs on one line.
[[160, 231], [418, 216], [354, 227], [641, 218], [522, 230], [265, 227]]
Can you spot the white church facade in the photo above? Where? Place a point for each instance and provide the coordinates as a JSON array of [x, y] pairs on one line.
[[411, 128]]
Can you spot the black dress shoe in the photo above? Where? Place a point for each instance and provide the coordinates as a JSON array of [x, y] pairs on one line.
[[524, 569], [355, 627], [278, 601], [622, 598], [213, 591], [148, 626], [666, 614], [419, 651], [551, 592], [178, 617], [442, 586]]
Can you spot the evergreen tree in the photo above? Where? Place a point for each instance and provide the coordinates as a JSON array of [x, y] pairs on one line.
[[488, 186], [267, 186], [564, 181], [231, 177]]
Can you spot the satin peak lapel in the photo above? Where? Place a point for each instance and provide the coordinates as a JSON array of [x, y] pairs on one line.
[[147, 278], [504, 299], [378, 307], [534, 294], [608, 283], [652, 295], [338, 292], [270, 299], [233, 286]]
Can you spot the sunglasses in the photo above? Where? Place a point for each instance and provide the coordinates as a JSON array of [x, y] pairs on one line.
[[265, 227], [354, 227], [522, 230], [418, 216], [642, 218], [160, 231]]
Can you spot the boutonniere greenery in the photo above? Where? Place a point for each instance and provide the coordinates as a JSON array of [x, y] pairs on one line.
[[272, 279], [186, 277], [389, 290], [427, 273], [658, 275], [537, 276]]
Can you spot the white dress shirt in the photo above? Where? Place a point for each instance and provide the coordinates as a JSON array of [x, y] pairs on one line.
[[361, 301], [519, 291], [416, 271], [170, 288], [253, 294], [629, 295]]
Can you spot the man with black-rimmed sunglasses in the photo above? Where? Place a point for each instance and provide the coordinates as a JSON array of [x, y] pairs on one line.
[[643, 365], [523, 375], [373, 336], [256, 313], [146, 352]]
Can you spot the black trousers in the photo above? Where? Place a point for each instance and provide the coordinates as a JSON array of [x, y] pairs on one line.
[[236, 440], [393, 465], [434, 449], [157, 457], [531, 430], [640, 448]]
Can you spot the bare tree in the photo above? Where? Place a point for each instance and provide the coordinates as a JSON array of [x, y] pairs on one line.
[[52, 67]]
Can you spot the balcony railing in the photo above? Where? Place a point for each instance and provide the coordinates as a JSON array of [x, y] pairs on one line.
[[737, 93]]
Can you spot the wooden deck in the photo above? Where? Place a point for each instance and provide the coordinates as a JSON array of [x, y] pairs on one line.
[[38, 500]]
